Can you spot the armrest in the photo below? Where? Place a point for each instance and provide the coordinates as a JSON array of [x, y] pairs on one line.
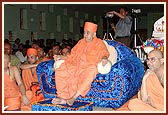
[[130, 68]]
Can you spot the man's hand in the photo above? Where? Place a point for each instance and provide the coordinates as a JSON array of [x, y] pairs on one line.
[[147, 73], [25, 100], [112, 25], [104, 61]]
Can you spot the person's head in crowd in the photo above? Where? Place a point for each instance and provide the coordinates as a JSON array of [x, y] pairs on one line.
[[65, 51], [32, 55], [21, 46], [35, 45], [55, 49], [6, 40], [7, 48], [27, 42], [17, 41], [50, 53], [41, 53]]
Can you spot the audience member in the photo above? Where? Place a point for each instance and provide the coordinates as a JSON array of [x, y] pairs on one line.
[[13, 59], [35, 45], [27, 44], [21, 53], [56, 49], [59, 59], [41, 55], [14, 89]]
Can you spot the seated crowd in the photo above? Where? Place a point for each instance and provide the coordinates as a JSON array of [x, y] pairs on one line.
[[20, 64]]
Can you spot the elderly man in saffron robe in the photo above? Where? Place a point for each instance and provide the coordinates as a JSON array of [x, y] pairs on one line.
[[74, 77]]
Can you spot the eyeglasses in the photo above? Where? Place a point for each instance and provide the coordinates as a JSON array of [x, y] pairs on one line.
[[152, 59]]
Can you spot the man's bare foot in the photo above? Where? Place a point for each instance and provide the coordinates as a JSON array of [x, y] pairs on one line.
[[71, 101], [58, 101]]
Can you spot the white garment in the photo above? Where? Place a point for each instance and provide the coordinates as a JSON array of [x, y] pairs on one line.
[[111, 60], [20, 56]]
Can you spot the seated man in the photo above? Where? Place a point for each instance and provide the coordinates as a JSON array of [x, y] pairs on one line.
[[14, 60], [59, 59], [41, 55], [15, 94], [75, 75], [151, 95], [29, 69], [29, 76]]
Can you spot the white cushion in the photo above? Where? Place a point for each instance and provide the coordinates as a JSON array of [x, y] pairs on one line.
[[113, 53]]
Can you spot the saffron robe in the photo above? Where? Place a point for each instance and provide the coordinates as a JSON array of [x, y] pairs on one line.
[[11, 93], [80, 68], [28, 77], [156, 93]]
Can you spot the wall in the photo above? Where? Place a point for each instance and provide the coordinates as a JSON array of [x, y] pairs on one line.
[[62, 22]]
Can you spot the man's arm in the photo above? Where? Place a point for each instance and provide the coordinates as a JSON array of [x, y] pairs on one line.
[[113, 27], [21, 85], [144, 94], [116, 13], [28, 66]]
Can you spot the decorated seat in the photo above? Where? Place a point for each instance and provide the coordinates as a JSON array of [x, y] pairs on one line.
[[107, 90]]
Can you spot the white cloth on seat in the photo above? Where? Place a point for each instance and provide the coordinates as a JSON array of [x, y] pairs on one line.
[[104, 69], [113, 53], [111, 60]]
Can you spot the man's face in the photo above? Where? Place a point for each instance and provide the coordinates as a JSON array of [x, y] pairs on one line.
[[65, 52], [153, 61], [32, 59], [50, 52], [123, 12], [88, 36], [7, 49], [55, 50], [36, 46], [41, 53]]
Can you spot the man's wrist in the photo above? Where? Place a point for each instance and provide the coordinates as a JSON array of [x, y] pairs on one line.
[[104, 57]]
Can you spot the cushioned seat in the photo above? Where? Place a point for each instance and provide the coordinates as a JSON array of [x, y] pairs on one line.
[[107, 90]]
